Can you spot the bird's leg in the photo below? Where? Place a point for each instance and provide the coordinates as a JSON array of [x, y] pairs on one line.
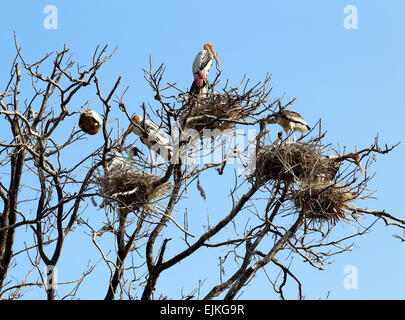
[[293, 136], [288, 136], [156, 163], [151, 160]]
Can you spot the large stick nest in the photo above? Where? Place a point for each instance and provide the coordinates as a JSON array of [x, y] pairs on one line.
[[289, 161], [128, 190], [323, 201], [215, 111]]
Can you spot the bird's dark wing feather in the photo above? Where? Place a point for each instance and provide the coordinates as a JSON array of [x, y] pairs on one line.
[[206, 58], [194, 88], [290, 113], [156, 132], [294, 117]]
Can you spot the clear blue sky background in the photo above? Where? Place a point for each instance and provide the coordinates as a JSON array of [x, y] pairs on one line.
[[351, 79]]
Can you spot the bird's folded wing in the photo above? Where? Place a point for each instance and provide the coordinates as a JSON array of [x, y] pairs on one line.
[[155, 133], [295, 117], [206, 59]]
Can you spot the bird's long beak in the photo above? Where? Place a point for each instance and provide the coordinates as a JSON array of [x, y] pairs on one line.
[[214, 55], [357, 158], [130, 127], [216, 59]]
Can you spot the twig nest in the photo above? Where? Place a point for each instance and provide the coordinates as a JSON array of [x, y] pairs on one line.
[[128, 190], [289, 161], [90, 122], [323, 201], [215, 111]]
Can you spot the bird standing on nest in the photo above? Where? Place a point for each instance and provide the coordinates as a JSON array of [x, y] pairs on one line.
[[151, 135], [201, 67], [290, 121], [118, 162]]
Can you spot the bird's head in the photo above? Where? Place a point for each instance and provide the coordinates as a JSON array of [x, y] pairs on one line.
[[356, 157], [210, 48], [274, 118], [136, 118]]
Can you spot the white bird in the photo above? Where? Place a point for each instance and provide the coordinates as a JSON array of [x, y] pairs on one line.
[[151, 135], [290, 121], [118, 162], [201, 67]]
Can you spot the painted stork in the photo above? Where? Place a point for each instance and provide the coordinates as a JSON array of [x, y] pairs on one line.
[[352, 155], [290, 121], [151, 135], [201, 67], [90, 122]]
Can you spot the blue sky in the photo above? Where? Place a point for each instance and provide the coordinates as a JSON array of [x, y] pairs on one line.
[[351, 79]]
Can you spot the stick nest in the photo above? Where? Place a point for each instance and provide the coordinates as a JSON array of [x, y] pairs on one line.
[[128, 190], [288, 161], [323, 201], [215, 111]]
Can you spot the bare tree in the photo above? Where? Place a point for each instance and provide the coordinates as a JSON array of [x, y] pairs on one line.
[[293, 193]]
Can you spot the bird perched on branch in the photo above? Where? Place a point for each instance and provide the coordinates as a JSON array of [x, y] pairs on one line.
[[201, 67], [151, 135], [90, 122], [290, 121]]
